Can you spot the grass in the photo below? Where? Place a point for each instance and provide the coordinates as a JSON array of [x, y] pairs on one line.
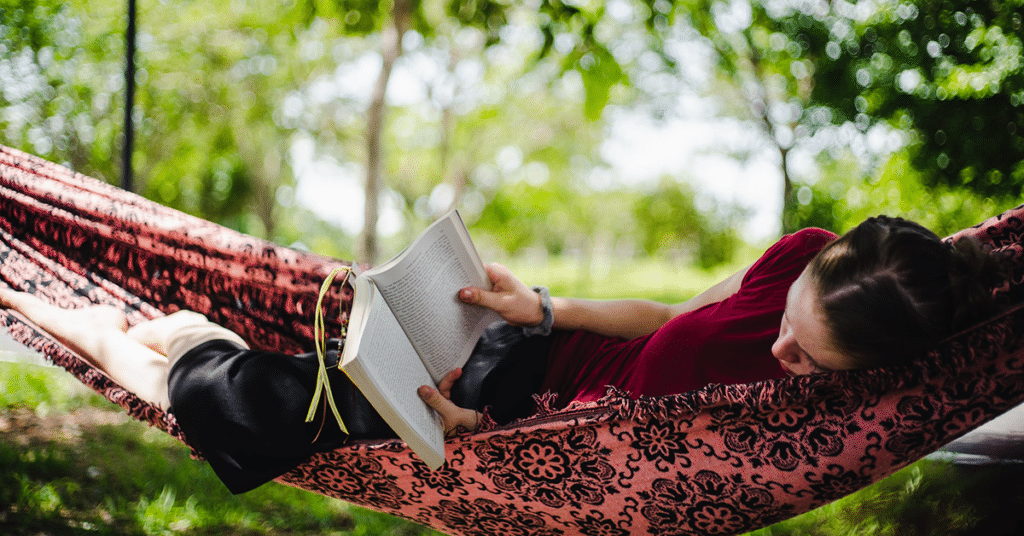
[[72, 463], [926, 498]]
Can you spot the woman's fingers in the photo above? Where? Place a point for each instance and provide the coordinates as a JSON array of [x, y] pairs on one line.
[[509, 297], [445, 387], [452, 416], [502, 282], [439, 399]]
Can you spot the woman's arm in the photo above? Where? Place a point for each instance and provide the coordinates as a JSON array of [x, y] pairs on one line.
[[519, 305]]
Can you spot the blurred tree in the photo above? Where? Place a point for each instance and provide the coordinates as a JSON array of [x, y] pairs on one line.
[[392, 20], [509, 133], [949, 72], [825, 203], [581, 35], [764, 72], [47, 108], [952, 71], [211, 133], [673, 222], [838, 203], [218, 106]]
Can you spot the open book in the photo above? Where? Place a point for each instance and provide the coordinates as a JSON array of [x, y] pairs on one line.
[[408, 328]]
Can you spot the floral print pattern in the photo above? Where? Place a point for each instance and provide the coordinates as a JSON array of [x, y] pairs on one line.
[[484, 517], [722, 460], [661, 442], [555, 469]]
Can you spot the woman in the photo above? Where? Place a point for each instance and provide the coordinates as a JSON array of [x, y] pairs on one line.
[[883, 292]]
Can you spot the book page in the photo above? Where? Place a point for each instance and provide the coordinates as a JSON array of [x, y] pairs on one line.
[[422, 287], [385, 368]]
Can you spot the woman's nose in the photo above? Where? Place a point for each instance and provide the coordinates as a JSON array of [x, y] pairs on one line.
[[785, 348]]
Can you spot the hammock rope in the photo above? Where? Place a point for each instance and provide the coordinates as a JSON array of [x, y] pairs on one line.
[[722, 460]]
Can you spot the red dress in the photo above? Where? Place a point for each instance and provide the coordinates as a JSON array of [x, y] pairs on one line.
[[727, 342]]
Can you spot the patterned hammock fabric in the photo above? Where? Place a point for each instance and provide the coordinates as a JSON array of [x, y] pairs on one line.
[[722, 460]]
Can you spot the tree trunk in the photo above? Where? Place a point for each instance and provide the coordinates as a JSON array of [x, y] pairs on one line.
[[391, 50], [267, 183], [761, 102], [451, 171], [788, 196]]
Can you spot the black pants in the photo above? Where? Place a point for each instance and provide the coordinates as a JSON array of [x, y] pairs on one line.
[[244, 410]]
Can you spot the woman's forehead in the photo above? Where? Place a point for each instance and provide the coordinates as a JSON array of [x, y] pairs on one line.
[[809, 324]]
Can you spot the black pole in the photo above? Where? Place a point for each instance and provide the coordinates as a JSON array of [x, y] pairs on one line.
[[129, 98]]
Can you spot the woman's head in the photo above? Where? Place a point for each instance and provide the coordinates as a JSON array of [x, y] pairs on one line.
[[889, 289], [804, 345]]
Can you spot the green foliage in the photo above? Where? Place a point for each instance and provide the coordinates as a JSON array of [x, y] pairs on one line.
[[358, 17], [601, 73], [765, 61], [487, 15], [224, 90], [520, 215], [594, 35], [618, 277], [839, 200], [824, 204], [948, 73], [952, 71], [27, 23], [365, 17], [672, 221], [552, 217], [30, 386], [210, 84]]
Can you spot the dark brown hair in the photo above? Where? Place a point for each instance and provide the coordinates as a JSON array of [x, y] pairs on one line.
[[890, 289]]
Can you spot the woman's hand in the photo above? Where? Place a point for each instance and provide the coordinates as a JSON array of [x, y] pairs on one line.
[[439, 399], [517, 303]]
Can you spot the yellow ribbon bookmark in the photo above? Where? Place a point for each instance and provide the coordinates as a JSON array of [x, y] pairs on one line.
[[323, 384]]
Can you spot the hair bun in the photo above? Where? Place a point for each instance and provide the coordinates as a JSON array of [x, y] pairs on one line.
[[974, 273]]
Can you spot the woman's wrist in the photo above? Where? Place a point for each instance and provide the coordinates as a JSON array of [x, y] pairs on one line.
[[547, 314]]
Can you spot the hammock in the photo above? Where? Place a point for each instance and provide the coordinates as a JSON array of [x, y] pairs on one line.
[[722, 460]]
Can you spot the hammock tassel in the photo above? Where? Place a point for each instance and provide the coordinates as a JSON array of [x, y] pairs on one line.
[[323, 384]]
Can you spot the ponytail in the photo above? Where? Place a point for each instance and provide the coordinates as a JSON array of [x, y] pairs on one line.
[[889, 289], [973, 273]]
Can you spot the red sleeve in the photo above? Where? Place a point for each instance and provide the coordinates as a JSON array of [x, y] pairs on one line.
[[791, 253]]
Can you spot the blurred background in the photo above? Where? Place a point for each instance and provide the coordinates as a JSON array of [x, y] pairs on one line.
[[639, 148]]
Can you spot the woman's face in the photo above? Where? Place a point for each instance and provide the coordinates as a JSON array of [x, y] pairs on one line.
[[805, 343]]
